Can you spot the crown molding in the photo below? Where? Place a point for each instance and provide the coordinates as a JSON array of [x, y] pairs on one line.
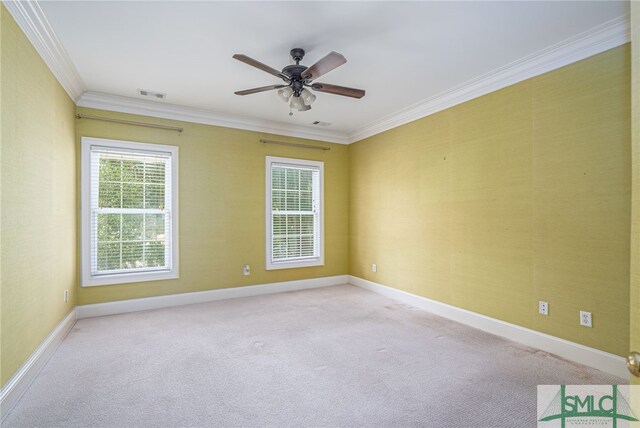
[[31, 19], [591, 42], [189, 114]]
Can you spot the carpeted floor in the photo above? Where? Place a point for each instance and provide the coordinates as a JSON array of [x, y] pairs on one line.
[[333, 356]]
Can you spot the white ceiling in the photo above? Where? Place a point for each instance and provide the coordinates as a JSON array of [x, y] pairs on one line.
[[399, 52]]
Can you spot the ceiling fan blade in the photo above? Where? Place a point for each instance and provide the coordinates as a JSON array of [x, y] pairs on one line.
[[338, 90], [260, 89], [325, 65], [257, 64]]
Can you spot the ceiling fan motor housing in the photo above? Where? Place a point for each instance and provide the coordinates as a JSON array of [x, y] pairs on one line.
[[295, 71], [297, 82]]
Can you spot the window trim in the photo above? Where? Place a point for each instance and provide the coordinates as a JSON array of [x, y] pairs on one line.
[[316, 261], [86, 278]]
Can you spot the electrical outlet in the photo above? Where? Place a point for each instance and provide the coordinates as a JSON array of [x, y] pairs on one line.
[[66, 295], [543, 307], [246, 270], [585, 319], [374, 268]]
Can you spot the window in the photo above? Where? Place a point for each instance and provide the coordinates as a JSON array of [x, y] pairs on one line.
[[294, 213], [129, 212]]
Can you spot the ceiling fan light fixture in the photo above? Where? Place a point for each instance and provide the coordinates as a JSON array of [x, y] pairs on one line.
[[296, 103], [285, 93], [307, 97]]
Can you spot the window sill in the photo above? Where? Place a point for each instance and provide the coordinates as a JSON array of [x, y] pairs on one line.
[[124, 278], [295, 264]]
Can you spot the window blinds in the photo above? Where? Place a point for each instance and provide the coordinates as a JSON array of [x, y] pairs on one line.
[[130, 211], [295, 199]]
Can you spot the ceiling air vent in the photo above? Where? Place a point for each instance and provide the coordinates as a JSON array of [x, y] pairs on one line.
[[152, 94], [319, 123]]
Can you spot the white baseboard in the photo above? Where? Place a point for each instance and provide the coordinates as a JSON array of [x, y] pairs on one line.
[[134, 305], [20, 381], [609, 363]]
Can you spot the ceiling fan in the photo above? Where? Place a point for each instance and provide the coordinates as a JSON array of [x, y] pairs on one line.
[[298, 78]]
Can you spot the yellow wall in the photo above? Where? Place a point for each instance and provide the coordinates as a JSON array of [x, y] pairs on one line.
[[222, 205], [517, 196], [38, 243], [635, 221]]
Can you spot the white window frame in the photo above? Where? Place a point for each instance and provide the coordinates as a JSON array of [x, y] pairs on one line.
[[89, 280], [307, 262]]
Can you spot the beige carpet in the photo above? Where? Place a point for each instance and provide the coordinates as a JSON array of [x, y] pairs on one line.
[[334, 356]]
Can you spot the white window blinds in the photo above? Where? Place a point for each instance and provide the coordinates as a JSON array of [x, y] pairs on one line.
[[294, 211], [130, 219]]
